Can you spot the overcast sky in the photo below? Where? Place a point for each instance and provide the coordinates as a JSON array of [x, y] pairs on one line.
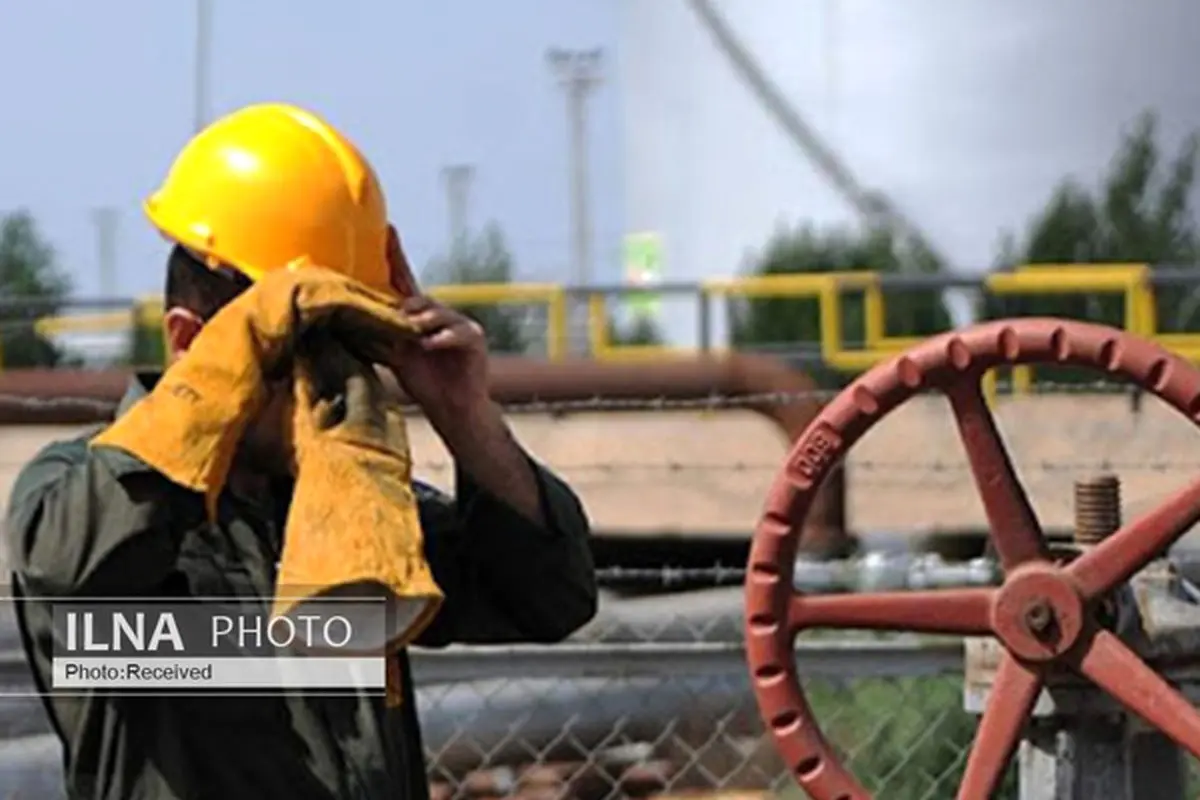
[[966, 112], [98, 98]]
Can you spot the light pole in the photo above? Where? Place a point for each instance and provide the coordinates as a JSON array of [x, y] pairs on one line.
[[202, 56], [457, 180], [579, 72], [105, 220]]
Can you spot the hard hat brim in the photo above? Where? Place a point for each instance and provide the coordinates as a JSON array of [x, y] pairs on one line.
[[196, 242]]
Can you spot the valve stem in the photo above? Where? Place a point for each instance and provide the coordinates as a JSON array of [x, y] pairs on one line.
[[1097, 508]]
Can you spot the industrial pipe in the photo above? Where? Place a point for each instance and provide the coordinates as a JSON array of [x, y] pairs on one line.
[[514, 380], [717, 615], [80, 397]]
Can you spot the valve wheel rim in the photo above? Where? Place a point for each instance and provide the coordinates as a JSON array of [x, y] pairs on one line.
[[1042, 614]]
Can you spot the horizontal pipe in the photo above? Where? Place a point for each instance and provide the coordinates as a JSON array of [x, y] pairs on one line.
[[514, 381], [716, 615], [80, 397], [705, 615], [915, 281]]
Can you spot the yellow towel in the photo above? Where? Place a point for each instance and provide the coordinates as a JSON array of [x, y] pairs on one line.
[[353, 526]]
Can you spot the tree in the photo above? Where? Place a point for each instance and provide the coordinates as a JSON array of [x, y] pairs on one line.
[[146, 345], [34, 287], [1139, 212], [641, 330], [795, 323], [484, 259]]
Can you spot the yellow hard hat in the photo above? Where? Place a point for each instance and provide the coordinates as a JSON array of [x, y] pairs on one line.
[[272, 186]]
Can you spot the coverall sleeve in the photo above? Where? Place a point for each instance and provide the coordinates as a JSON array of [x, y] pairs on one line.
[[95, 522], [505, 578]]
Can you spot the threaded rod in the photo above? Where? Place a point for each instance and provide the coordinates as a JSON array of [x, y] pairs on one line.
[[1097, 508]]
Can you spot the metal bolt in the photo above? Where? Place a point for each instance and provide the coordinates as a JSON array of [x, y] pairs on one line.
[[1097, 508], [1039, 617]]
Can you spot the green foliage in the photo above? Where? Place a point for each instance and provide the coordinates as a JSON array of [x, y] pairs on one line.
[[146, 345], [29, 271], [484, 259], [903, 737], [640, 330], [1139, 212], [784, 321], [807, 250]]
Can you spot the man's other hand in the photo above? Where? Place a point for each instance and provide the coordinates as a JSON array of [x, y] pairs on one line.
[[445, 368]]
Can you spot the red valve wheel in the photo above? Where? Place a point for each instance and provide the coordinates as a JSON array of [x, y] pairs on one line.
[[1042, 613]]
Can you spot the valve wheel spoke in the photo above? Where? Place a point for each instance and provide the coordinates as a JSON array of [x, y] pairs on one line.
[[1014, 526], [1014, 691], [1111, 665], [964, 612], [1124, 553]]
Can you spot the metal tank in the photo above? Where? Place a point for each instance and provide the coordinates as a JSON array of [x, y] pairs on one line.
[[961, 115]]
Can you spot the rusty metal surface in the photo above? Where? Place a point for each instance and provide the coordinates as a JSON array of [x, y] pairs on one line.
[[514, 381], [77, 397], [1044, 611]]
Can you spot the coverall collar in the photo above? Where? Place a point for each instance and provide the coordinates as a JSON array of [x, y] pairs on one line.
[[140, 385]]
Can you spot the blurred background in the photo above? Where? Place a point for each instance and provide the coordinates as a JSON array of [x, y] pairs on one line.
[[634, 184]]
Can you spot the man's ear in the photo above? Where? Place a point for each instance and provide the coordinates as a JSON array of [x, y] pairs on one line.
[[402, 278], [181, 327]]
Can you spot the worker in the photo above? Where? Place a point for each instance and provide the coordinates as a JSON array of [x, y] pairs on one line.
[[268, 187]]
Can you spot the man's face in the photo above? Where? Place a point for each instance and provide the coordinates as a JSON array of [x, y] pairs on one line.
[[267, 445]]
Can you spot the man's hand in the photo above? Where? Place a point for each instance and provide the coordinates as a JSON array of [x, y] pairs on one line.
[[445, 371]]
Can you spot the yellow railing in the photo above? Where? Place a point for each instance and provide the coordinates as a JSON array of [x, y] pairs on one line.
[[827, 288], [551, 295], [1130, 281], [105, 322], [148, 310]]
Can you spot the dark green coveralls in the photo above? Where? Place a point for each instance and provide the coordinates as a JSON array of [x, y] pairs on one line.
[[101, 523]]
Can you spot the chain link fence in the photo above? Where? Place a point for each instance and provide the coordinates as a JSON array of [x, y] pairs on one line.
[[653, 698], [687, 723]]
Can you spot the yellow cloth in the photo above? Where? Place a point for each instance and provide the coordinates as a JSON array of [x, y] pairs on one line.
[[353, 527]]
